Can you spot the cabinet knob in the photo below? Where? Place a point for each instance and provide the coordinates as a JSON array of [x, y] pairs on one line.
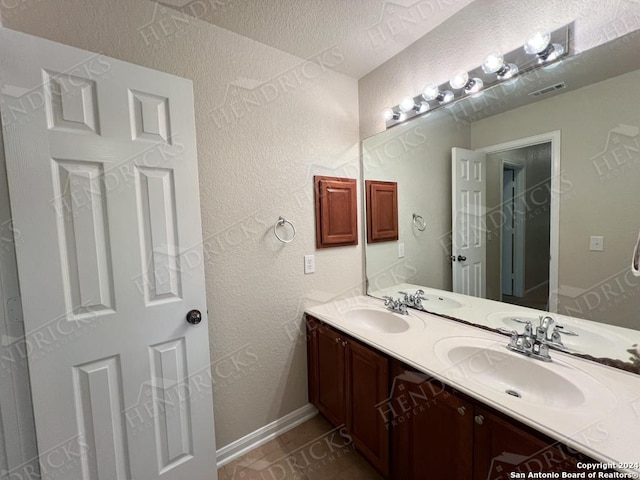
[[479, 419], [344, 343], [462, 410], [338, 339]]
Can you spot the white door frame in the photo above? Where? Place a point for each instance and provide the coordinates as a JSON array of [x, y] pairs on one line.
[[554, 138]]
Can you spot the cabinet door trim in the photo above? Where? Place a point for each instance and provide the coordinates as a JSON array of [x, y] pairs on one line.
[[336, 202], [382, 211]]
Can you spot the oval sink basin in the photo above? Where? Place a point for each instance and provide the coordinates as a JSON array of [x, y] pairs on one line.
[[585, 339], [379, 320], [439, 302], [489, 364]]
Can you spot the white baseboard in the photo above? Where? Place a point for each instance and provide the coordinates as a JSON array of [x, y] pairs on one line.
[[261, 436]]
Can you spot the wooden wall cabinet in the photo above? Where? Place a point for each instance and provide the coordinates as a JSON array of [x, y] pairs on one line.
[[336, 211], [347, 381], [382, 211]]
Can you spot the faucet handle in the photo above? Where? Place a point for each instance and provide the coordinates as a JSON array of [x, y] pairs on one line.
[[387, 300], [407, 296], [563, 330], [546, 321], [528, 328], [556, 338]]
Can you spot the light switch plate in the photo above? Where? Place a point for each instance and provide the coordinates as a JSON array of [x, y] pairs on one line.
[[596, 243], [401, 250], [309, 263]]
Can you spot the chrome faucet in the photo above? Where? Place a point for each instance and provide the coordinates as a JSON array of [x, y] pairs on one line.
[[396, 306], [528, 344], [537, 345], [413, 300]]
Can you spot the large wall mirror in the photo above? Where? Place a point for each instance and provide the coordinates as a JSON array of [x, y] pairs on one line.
[[560, 216]]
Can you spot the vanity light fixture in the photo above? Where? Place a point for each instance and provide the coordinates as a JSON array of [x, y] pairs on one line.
[[461, 80], [539, 44], [494, 63], [390, 114], [432, 92], [507, 68], [408, 104]]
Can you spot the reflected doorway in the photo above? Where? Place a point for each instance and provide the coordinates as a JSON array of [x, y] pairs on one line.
[[519, 225]]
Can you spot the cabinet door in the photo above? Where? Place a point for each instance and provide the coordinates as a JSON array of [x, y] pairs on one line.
[[382, 211], [330, 394], [432, 429], [336, 211], [312, 359], [367, 389], [503, 446]]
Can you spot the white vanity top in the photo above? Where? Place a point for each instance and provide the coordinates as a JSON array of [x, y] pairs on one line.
[[604, 425]]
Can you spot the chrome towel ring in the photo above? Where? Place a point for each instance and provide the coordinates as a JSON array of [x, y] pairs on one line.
[[280, 223], [418, 221]]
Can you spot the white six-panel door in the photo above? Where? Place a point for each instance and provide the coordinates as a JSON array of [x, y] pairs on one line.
[[102, 167], [468, 240]]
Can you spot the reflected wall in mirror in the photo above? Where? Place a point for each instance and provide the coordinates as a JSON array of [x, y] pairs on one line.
[[595, 184]]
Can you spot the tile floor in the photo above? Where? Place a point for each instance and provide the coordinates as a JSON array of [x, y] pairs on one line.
[[313, 450]]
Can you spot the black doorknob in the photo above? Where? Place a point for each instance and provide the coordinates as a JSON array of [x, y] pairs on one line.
[[194, 317], [462, 258]]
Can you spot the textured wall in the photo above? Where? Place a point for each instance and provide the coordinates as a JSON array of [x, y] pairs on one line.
[[416, 156], [266, 122], [462, 41]]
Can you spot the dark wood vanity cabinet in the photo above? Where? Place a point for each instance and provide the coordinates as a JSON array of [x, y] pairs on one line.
[[431, 429], [331, 375], [411, 426], [439, 433], [347, 382]]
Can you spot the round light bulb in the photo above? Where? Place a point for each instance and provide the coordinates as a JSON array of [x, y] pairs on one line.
[[424, 106], [474, 86], [430, 92], [447, 96], [557, 51], [492, 62], [459, 79], [537, 42], [407, 104], [508, 71], [388, 114]]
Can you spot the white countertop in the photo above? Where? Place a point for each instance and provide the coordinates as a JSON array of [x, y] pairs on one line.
[[606, 429], [597, 339]]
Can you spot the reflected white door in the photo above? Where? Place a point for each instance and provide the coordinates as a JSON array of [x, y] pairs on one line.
[[102, 167], [468, 239]]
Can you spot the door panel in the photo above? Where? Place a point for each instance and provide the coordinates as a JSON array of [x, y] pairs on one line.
[[102, 169], [432, 431], [468, 247], [367, 388], [331, 377]]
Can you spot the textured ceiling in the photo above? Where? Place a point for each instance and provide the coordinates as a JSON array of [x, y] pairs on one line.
[[366, 33]]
